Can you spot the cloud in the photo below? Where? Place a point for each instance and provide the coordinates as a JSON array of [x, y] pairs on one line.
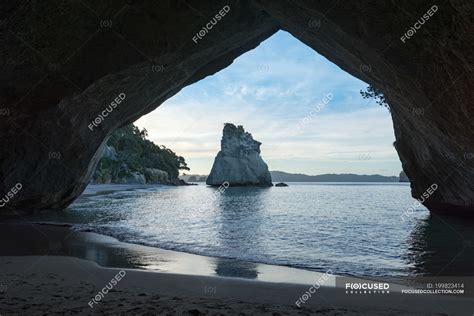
[[269, 91]]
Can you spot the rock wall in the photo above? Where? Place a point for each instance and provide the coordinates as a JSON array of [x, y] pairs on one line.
[[67, 62], [427, 79], [403, 177], [64, 63], [239, 162]]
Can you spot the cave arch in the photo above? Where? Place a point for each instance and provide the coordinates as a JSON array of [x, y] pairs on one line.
[[66, 63]]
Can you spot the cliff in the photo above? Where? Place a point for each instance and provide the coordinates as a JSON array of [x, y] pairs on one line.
[[403, 177], [129, 157], [58, 78], [239, 161]]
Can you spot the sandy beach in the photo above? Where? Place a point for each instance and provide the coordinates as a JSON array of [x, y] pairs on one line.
[[54, 269], [35, 280], [57, 285]]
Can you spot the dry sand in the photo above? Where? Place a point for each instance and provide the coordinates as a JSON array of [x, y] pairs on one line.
[[65, 285]]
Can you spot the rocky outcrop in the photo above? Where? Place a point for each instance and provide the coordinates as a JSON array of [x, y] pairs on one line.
[[239, 162], [58, 77], [403, 177], [111, 170], [180, 182], [154, 175], [132, 178], [193, 178]]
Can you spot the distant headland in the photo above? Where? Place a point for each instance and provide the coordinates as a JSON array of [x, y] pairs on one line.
[[281, 176]]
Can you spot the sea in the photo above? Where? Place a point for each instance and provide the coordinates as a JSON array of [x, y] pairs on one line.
[[356, 229]]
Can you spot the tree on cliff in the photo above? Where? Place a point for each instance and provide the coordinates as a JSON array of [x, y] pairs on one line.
[[138, 153], [376, 94]]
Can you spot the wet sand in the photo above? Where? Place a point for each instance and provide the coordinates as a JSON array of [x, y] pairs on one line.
[[59, 240], [42, 273]]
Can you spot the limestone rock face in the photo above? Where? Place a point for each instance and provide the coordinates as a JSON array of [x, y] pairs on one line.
[[154, 175], [133, 178], [239, 162], [57, 78]]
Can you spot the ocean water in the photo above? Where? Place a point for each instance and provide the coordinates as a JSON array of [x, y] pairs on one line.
[[359, 229]]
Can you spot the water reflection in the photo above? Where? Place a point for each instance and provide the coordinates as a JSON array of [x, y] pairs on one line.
[[442, 246], [236, 269], [350, 230], [240, 222]]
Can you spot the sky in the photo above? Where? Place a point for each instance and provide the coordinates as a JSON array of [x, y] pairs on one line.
[[307, 112]]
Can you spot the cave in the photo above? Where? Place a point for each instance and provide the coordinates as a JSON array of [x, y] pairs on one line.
[[74, 73]]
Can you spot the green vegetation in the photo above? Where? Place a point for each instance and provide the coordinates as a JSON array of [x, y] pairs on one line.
[[376, 94], [135, 154]]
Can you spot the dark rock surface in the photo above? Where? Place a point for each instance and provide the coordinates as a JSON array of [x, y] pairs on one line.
[[281, 184], [63, 63], [239, 163], [179, 182], [403, 177]]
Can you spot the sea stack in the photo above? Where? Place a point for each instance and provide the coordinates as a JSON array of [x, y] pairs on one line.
[[239, 162]]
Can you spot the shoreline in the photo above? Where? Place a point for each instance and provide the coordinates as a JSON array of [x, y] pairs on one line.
[[97, 190], [268, 272], [104, 189], [45, 264], [45, 239], [52, 268]]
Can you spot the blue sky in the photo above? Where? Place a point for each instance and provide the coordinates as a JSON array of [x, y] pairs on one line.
[[307, 112]]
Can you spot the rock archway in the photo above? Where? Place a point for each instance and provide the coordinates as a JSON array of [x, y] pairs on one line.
[[63, 65]]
